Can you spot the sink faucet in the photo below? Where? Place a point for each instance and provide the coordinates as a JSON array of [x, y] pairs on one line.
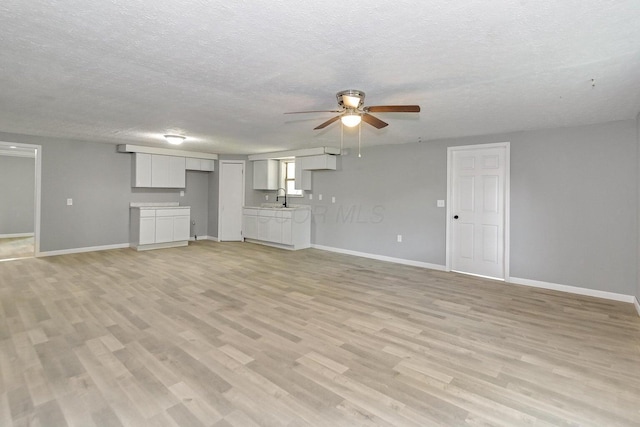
[[285, 196]]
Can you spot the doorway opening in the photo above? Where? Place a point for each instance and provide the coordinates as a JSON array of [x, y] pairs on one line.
[[20, 169]]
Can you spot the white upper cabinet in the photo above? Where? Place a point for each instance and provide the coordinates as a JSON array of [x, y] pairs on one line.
[[193, 164], [319, 162], [303, 177], [177, 172], [265, 174], [159, 171], [142, 170]]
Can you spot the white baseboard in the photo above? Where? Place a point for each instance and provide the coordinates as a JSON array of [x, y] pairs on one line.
[[12, 236], [518, 281], [382, 258], [573, 289], [81, 250]]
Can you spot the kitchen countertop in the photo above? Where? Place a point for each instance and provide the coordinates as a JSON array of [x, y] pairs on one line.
[[156, 205], [267, 206]]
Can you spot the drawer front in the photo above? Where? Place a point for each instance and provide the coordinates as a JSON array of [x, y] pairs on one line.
[[173, 212], [147, 213], [252, 212], [269, 213]]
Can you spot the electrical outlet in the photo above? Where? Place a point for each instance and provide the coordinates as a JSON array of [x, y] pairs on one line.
[[181, 193], [319, 196], [69, 202], [440, 203], [310, 196], [266, 197], [333, 199], [399, 238]]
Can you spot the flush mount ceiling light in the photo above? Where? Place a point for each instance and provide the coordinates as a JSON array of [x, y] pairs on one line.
[[175, 139], [351, 119]]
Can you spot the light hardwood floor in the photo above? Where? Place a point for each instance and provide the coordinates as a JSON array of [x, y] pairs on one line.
[[16, 247], [233, 334]]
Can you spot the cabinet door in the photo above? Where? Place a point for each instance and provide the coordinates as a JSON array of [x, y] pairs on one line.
[[274, 230], [287, 234], [207, 165], [177, 172], [159, 171], [250, 226], [265, 174], [263, 227], [192, 164], [142, 170], [147, 230], [181, 228], [164, 229]]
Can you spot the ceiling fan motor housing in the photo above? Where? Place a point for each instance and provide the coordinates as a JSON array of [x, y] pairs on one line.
[[350, 99]]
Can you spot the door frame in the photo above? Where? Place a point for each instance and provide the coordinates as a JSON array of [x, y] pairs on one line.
[[221, 183], [507, 200], [5, 146]]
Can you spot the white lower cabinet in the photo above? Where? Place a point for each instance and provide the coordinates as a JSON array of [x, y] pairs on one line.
[[147, 233], [286, 228], [153, 228]]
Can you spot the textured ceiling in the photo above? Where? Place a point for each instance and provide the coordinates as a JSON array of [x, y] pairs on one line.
[[223, 73]]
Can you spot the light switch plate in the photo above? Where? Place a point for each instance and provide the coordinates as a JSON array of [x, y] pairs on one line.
[[333, 199], [69, 202], [181, 193], [319, 196], [310, 196]]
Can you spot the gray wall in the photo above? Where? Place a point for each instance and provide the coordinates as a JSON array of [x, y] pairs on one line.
[[17, 194], [574, 198], [574, 201], [98, 179]]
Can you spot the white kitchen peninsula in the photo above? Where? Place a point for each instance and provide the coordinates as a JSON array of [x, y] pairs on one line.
[[159, 225], [287, 228]]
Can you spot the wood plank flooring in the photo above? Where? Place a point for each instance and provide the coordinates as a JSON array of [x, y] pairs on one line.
[[234, 334], [16, 247]]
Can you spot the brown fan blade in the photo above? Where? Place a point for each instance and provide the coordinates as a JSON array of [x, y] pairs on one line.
[[314, 111], [393, 109], [327, 123], [374, 121]]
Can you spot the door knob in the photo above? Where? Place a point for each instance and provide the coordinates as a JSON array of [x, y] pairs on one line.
[[455, 217]]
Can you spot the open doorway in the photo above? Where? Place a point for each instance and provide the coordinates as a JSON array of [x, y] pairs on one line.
[[19, 200]]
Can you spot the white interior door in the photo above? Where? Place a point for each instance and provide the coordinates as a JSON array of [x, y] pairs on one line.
[[231, 200], [478, 210]]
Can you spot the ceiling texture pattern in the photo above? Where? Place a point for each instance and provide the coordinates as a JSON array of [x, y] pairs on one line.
[[223, 73]]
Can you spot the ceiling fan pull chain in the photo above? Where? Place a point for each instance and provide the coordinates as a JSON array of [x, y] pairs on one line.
[[341, 137], [359, 138]]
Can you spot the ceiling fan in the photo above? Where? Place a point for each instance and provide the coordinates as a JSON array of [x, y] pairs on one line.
[[351, 110]]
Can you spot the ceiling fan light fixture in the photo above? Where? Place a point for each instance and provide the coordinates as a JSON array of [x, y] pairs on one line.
[[351, 119], [175, 139], [350, 98]]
